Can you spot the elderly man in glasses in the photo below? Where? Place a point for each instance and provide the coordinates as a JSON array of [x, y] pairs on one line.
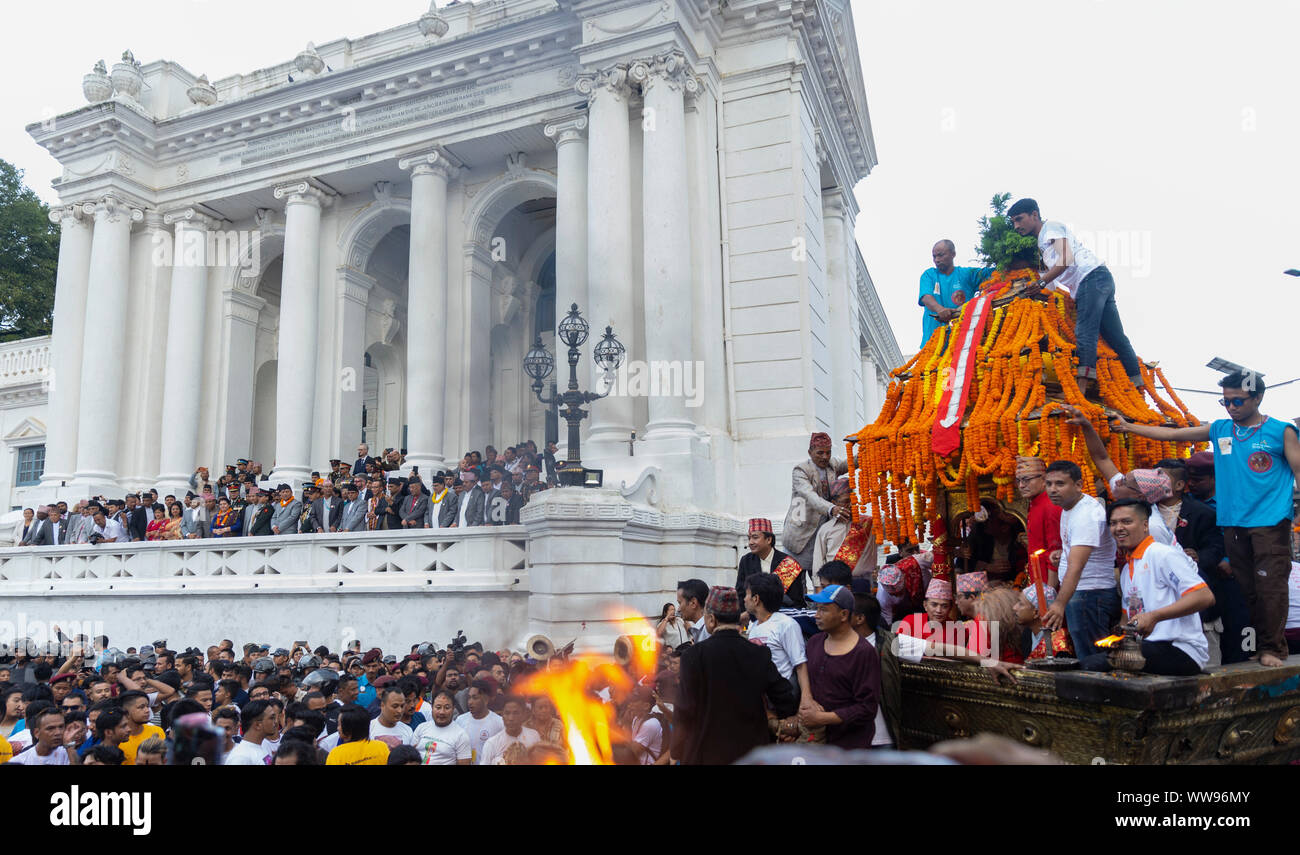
[[1256, 467], [1043, 532]]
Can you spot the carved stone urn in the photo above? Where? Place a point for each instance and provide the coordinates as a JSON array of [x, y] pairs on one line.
[[97, 85], [127, 79], [433, 25], [309, 62], [202, 92]]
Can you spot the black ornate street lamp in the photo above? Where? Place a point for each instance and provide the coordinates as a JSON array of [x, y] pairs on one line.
[[538, 363]]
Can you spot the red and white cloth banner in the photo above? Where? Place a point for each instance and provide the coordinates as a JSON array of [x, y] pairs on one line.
[[945, 436]]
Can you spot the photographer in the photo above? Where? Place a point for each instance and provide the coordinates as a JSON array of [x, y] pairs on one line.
[[106, 530]]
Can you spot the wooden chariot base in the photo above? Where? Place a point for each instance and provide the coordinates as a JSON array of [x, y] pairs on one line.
[[1236, 714]]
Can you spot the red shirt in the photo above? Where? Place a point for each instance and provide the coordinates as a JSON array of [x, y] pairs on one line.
[[917, 625], [1044, 525]]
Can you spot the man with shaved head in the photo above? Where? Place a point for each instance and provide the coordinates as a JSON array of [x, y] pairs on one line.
[[945, 287]]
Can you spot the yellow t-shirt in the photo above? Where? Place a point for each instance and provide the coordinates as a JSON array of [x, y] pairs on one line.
[[6, 750], [133, 744], [365, 752]]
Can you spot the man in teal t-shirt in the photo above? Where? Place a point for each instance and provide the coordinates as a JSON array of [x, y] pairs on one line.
[[1256, 466], [944, 288]]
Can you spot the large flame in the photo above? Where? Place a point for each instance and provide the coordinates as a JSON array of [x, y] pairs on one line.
[[1109, 641], [590, 725]]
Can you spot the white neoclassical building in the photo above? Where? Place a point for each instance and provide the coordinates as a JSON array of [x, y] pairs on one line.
[[362, 242]]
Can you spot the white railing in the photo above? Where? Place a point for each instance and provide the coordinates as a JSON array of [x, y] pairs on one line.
[[24, 361], [481, 558]]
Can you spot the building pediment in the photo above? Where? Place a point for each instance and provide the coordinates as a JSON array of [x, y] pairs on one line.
[[27, 432]]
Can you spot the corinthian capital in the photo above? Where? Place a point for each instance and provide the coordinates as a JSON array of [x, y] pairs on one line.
[[112, 209], [668, 69], [613, 79], [76, 212]]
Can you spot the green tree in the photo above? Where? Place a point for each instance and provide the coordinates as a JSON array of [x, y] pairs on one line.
[[1000, 244], [29, 256]]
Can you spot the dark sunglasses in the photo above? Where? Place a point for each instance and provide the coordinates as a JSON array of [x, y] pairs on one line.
[[1234, 402]]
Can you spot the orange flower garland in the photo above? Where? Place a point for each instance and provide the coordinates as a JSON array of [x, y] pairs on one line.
[[1008, 413]]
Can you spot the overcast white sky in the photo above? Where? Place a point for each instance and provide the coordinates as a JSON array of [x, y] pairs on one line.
[[1168, 131]]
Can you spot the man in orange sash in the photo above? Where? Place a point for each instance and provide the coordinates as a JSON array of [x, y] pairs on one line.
[[764, 557]]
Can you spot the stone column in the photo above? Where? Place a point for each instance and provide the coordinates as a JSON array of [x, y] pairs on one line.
[[570, 215], [69, 328], [299, 291], [669, 298], [353, 296], [609, 248], [183, 366], [842, 300], [426, 309], [870, 388], [103, 355]]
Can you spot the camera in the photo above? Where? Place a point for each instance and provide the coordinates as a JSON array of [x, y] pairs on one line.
[[96, 537], [458, 643]]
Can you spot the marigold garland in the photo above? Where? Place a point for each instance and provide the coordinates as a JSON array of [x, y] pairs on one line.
[[1027, 348]]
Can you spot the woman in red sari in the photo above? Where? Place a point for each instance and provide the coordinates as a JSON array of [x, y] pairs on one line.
[[156, 525]]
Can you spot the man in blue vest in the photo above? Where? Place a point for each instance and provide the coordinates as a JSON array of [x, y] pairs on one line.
[[945, 287], [1256, 466]]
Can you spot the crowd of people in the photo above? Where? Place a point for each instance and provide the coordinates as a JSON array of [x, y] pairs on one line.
[[1190, 560], [805, 647], [371, 493]]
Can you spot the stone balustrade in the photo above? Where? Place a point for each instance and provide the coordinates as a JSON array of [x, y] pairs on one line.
[[369, 560], [384, 588], [25, 361]]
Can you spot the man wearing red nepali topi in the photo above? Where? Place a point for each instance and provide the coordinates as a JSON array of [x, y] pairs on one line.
[[764, 557], [810, 500]]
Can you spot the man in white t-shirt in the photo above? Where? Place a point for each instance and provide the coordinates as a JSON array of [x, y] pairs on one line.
[[1088, 602], [1163, 596], [107, 530], [48, 750], [261, 725], [441, 742], [389, 728], [1292, 630], [498, 750], [647, 730], [781, 633], [480, 722], [1071, 267]]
